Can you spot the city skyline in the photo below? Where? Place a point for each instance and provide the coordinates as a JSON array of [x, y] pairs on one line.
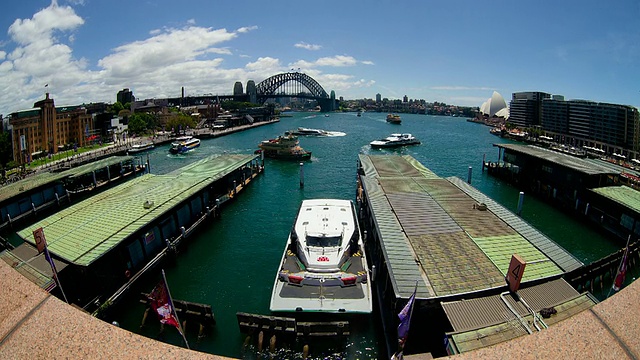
[[459, 52]]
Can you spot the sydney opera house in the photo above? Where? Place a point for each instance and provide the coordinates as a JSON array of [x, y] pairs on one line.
[[495, 107]]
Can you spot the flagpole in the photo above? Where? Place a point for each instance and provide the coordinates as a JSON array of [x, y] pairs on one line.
[[55, 272], [173, 308], [399, 354]]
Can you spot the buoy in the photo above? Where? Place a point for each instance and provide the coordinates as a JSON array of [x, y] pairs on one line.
[[520, 200], [301, 175]]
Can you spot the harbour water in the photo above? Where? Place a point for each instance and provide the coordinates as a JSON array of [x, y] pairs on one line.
[[231, 262]]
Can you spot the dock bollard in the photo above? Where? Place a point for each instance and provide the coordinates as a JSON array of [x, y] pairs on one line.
[[484, 160], [301, 175], [520, 199], [469, 175]]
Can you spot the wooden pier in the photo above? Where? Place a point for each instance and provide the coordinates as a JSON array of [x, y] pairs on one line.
[[290, 328]]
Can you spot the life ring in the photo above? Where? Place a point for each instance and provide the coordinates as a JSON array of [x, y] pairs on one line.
[[127, 274]]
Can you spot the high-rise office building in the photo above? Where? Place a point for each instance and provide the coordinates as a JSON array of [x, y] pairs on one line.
[[125, 96], [525, 108]]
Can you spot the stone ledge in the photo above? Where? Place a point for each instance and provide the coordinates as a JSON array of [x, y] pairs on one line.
[[34, 324]]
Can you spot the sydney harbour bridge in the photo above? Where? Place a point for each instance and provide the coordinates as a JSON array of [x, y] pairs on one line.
[[284, 85]]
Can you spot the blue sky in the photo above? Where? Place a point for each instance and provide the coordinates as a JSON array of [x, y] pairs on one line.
[[456, 51]]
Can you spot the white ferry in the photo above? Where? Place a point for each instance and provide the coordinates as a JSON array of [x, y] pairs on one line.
[[136, 148], [324, 268], [183, 144]]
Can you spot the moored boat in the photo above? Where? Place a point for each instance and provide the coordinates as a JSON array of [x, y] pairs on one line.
[[323, 268], [393, 118], [136, 148], [183, 144], [285, 147], [395, 140]]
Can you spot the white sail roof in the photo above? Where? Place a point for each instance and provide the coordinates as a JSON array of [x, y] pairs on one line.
[[495, 106]]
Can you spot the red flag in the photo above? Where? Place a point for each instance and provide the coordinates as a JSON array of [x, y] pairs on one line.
[[163, 306], [622, 270]]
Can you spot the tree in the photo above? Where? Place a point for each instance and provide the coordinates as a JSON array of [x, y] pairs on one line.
[[5, 149], [117, 107], [181, 121], [137, 125]]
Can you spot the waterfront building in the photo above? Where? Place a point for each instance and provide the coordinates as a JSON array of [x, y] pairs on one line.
[[378, 98], [47, 129], [525, 109], [555, 115], [578, 122]]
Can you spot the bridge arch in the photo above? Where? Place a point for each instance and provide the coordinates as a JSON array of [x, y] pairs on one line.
[[268, 87]]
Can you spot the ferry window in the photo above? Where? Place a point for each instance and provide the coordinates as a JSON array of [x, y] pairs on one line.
[[323, 241]]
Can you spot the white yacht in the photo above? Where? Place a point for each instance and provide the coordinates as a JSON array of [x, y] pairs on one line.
[[324, 267], [395, 140], [307, 131]]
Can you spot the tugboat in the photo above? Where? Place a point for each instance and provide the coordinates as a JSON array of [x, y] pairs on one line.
[[324, 268], [286, 147]]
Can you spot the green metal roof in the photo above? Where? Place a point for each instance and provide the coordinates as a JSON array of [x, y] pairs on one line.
[[84, 232], [431, 231], [35, 181], [578, 164], [95, 165], [623, 195], [32, 182]]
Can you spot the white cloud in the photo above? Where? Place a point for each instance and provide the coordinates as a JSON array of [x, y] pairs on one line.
[[265, 65], [191, 21], [154, 67], [42, 25], [246, 29], [335, 61], [167, 48], [38, 58], [367, 62], [303, 45]]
